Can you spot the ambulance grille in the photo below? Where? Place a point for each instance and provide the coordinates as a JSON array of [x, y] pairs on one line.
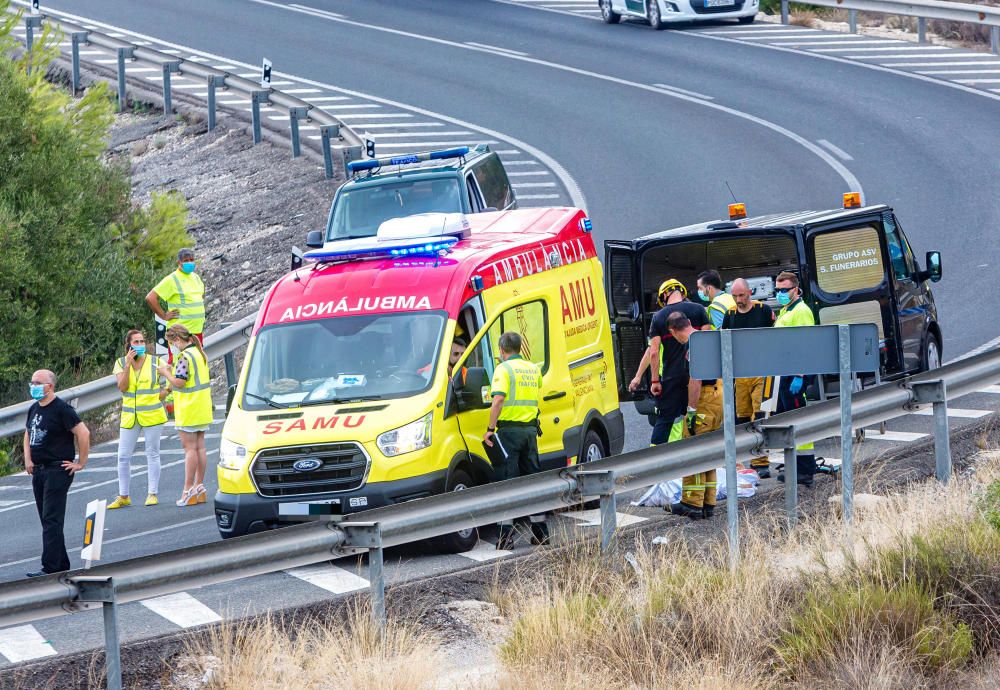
[[344, 468], [631, 346]]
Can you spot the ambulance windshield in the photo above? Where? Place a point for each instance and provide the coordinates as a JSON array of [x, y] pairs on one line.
[[359, 211], [344, 358]]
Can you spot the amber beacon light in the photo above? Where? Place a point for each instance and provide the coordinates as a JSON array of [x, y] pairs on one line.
[[852, 200], [737, 211]]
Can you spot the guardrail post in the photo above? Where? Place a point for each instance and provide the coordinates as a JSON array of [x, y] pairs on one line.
[[351, 153], [784, 11], [936, 392], [122, 54], [294, 115], [995, 39], [168, 69], [784, 437], [256, 98], [846, 425], [368, 535], [214, 81], [77, 38], [729, 433], [30, 24], [601, 483], [326, 133], [922, 29], [852, 20], [101, 590]]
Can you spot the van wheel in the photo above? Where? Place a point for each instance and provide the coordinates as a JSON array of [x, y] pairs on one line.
[[653, 15], [463, 540], [748, 20], [607, 14], [931, 356]]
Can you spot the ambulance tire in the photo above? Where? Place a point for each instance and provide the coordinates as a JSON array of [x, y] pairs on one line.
[[748, 20], [607, 14], [465, 540], [653, 15]]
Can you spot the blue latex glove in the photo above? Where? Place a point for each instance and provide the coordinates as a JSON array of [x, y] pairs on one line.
[[795, 387]]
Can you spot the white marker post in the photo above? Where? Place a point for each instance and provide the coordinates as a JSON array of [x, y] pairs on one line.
[[93, 531], [265, 74], [35, 9]]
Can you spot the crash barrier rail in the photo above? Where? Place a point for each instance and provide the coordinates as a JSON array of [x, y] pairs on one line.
[[375, 530], [923, 10], [299, 111], [104, 391]]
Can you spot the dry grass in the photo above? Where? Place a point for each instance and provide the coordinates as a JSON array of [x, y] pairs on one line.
[[806, 18]]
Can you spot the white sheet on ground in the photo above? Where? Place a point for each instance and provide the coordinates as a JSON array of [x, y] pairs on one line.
[[669, 492]]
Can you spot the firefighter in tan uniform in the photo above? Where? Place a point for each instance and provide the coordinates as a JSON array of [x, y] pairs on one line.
[[704, 414]]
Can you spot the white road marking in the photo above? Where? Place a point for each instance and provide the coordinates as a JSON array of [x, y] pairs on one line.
[[507, 163], [7, 503], [485, 551], [523, 197], [182, 609], [841, 42], [956, 412], [994, 390], [896, 436], [318, 12], [329, 577], [961, 71], [163, 451], [592, 518], [348, 116], [403, 145], [978, 81], [301, 91], [532, 185], [837, 151], [328, 98], [387, 125], [24, 643], [496, 48], [773, 32], [960, 63], [935, 56], [532, 173], [678, 89], [886, 49], [389, 135]]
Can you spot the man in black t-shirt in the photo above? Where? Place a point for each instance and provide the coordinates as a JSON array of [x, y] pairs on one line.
[[51, 429], [749, 313]]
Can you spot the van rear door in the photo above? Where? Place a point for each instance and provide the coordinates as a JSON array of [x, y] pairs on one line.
[[627, 331], [849, 280]]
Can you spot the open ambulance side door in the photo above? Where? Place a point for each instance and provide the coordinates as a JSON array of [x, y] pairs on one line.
[[627, 332]]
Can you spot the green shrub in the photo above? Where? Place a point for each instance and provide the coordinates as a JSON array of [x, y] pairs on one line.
[[989, 504], [841, 621]]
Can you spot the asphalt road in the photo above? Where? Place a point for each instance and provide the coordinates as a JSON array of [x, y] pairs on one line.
[[649, 126]]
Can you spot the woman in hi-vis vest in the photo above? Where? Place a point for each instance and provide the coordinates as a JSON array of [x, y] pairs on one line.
[[142, 413], [192, 388]]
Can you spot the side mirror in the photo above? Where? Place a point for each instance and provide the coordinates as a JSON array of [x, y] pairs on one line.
[[230, 396], [314, 240], [474, 392], [297, 258], [934, 266]]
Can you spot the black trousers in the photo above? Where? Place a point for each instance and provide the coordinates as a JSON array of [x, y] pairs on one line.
[[51, 484], [805, 459], [521, 443], [671, 404]]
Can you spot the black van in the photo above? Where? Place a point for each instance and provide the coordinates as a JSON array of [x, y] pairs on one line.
[[855, 265]]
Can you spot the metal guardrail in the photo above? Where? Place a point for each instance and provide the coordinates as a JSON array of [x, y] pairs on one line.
[[330, 127], [104, 391], [375, 530], [984, 15]]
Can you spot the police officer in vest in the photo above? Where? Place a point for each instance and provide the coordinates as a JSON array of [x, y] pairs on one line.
[[514, 427], [184, 293]]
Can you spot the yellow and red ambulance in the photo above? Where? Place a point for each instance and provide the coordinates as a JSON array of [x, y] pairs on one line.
[[367, 376]]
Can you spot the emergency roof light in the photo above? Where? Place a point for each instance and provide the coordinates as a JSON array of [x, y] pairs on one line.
[[376, 163], [852, 200], [586, 225], [737, 211], [425, 234]]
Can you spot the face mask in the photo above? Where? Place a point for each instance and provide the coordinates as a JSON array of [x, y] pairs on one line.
[[188, 266], [784, 298], [702, 296], [140, 350], [37, 391]]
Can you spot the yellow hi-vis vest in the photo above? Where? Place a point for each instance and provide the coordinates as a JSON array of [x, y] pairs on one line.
[[718, 308], [193, 402], [141, 402], [519, 381], [184, 292]]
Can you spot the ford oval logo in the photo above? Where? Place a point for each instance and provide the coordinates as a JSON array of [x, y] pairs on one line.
[[307, 465]]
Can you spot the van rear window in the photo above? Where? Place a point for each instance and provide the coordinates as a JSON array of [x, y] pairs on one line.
[[848, 260]]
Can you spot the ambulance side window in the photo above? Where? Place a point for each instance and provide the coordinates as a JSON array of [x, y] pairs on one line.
[[531, 321], [475, 200], [468, 323]]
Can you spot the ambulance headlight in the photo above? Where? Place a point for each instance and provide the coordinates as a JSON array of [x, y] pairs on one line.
[[406, 439], [232, 456]]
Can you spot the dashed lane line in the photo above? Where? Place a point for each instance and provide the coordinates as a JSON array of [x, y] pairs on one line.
[[329, 577], [24, 643], [895, 436], [182, 609], [485, 551]]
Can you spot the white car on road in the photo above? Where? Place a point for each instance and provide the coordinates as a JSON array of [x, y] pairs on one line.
[[659, 13]]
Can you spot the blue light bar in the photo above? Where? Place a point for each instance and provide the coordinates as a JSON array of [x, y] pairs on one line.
[[370, 247], [375, 163]]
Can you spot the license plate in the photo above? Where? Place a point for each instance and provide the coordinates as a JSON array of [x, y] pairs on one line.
[[310, 508], [719, 3]]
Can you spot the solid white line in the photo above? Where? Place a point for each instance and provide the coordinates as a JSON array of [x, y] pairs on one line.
[[330, 578], [678, 89], [573, 189], [317, 12], [977, 81], [960, 71], [837, 151], [896, 436], [182, 609], [24, 643], [955, 412], [485, 551], [851, 181], [993, 390], [592, 518], [494, 48]]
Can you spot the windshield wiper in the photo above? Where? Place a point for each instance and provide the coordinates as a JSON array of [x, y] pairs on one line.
[[339, 401], [270, 402]]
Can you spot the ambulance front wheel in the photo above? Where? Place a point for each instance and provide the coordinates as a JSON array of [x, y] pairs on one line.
[[607, 14], [463, 540]]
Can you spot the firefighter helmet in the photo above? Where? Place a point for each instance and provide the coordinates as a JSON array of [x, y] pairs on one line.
[[668, 286]]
